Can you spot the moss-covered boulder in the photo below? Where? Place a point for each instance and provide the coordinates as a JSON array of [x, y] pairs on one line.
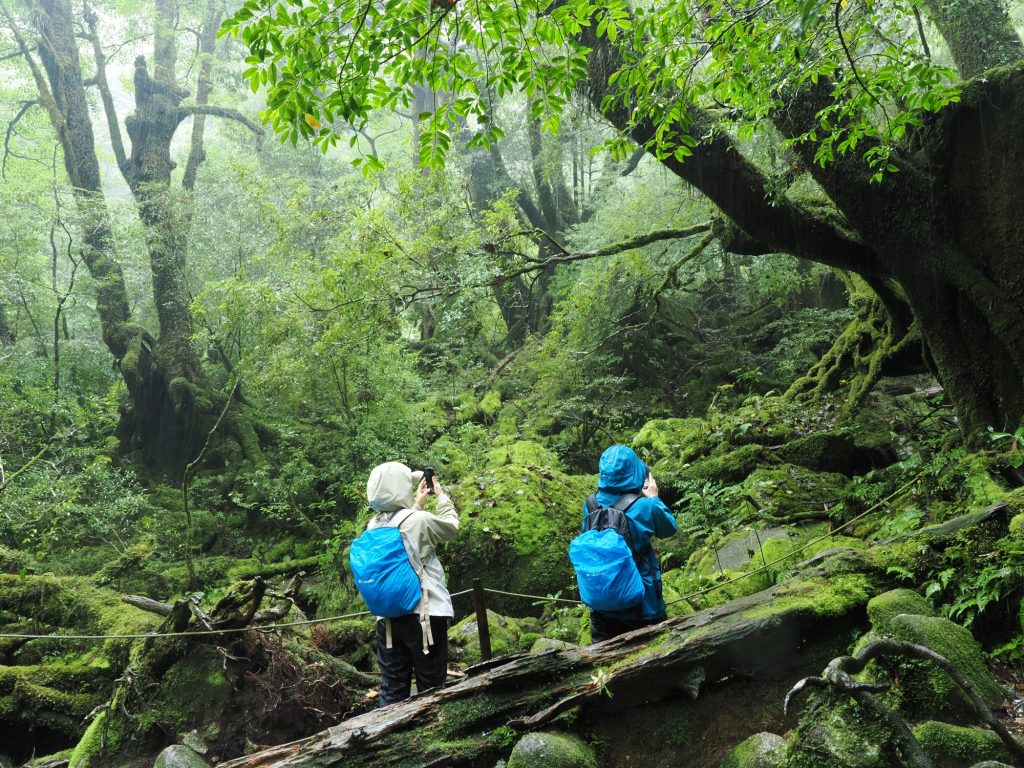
[[507, 635], [670, 443], [886, 606], [790, 490], [839, 734], [924, 689], [951, 746], [850, 450], [762, 750], [521, 453], [516, 525], [551, 750], [180, 756]]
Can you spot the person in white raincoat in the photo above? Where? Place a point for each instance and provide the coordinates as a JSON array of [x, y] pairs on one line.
[[414, 643]]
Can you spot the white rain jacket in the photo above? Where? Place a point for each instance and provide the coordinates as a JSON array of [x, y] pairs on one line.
[[391, 489]]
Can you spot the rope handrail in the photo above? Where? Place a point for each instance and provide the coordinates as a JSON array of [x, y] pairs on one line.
[[542, 598]]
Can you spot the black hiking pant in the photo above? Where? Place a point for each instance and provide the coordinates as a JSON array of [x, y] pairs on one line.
[[604, 627], [405, 657]]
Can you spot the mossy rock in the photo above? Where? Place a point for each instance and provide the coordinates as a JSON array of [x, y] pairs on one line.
[[551, 750], [762, 750], [840, 734], [952, 746], [926, 690], [179, 756], [852, 450], [516, 525], [787, 490], [1017, 527], [884, 607], [670, 443], [522, 453], [507, 636], [723, 466]]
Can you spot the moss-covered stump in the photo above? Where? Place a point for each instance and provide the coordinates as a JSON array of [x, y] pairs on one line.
[[951, 746], [551, 750], [762, 750], [516, 524], [635, 692]]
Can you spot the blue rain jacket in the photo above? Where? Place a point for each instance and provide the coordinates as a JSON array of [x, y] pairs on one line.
[[621, 472]]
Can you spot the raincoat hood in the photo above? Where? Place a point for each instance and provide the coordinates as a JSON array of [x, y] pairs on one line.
[[621, 470], [392, 486]]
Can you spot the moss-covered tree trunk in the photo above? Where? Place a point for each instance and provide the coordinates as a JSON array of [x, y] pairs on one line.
[[938, 241], [170, 408]]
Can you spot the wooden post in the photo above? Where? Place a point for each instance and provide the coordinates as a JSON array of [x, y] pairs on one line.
[[481, 620]]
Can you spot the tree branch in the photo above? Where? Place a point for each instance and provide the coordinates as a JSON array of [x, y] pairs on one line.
[[25, 107], [204, 86], [610, 250], [740, 190], [225, 112], [113, 125]]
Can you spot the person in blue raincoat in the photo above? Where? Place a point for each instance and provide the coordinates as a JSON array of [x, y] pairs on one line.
[[621, 472]]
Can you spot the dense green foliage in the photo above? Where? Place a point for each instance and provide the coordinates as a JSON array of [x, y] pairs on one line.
[[495, 300]]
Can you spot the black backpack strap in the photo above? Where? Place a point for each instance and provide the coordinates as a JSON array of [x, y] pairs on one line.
[[625, 501]]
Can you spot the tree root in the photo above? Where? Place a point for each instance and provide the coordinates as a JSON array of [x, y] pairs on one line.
[[838, 676], [859, 353]]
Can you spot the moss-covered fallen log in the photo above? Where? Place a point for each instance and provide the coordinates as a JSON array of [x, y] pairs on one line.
[[761, 640]]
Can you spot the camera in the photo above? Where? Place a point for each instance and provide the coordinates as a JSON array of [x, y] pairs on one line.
[[428, 475]]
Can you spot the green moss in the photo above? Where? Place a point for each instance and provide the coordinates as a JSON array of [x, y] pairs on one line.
[[725, 466], [490, 404], [103, 736], [676, 441], [951, 746], [840, 734], [191, 692], [516, 524], [1017, 527], [506, 635], [762, 750], [883, 607], [522, 453], [788, 490], [851, 450], [13, 561], [833, 596], [958, 646], [551, 750]]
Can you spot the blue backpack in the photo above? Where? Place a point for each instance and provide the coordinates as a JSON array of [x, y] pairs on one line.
[[602, 556], [387, 569]]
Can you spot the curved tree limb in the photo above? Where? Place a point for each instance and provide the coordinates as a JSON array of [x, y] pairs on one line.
[[838, 675], [227, 113]]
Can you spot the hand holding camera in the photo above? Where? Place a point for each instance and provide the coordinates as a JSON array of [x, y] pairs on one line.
[[650, 489], [428, 486]]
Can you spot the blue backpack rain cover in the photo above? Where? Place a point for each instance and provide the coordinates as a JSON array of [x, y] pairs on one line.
[[602, 557], [383, 571]]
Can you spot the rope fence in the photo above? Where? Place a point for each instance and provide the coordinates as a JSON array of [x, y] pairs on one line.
[[478, 591]]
